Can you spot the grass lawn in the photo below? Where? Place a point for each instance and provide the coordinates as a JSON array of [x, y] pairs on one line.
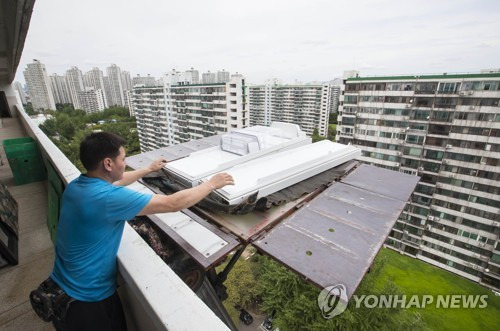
[[416, 277]]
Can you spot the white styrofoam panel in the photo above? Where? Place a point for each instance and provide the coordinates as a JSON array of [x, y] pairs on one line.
[[277, 171], [213, 160]]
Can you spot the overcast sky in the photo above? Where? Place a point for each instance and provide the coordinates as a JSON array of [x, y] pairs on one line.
[[306, 40]]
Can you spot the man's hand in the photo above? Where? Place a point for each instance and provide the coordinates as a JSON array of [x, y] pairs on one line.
[[220, 180], [157, 165], [160, 203]]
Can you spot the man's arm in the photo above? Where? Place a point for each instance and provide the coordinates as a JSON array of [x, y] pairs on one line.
[[131, 176], [185, 198]]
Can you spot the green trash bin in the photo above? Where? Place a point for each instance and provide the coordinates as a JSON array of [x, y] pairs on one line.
[[24, 160]]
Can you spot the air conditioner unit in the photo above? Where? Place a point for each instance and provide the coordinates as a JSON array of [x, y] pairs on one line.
[[448, 146], [428, 227], [398, 153], [472, 107], [452, 175], [430, 218], [439, 185], [461, 93], [397, 164], [471, 92], [402, 131], [437, 219], [421, 169], [495, 224], [408, 106]]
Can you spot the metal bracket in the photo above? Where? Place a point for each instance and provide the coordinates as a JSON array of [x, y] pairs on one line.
[[217, 280]]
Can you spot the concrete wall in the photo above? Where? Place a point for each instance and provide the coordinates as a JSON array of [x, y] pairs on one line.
[[12, 100]]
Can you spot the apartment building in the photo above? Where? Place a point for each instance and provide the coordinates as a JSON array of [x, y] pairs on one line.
[[445, 129], [92, 100], [60, 89], [147, 81], [95, 79], [181, 111], [305, 105], [74, 79], [39, 86], [209, 78], [126, 81], [128, 97], [19, 89], [115, 86], [334, 98], [148, 105]]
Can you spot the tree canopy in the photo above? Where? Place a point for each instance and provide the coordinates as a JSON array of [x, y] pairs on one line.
[[68, 127], [295, 303]]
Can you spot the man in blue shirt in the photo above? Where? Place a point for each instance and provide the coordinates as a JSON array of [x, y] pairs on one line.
[[94, 209]]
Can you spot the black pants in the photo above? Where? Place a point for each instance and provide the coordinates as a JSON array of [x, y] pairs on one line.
[[101, 315]]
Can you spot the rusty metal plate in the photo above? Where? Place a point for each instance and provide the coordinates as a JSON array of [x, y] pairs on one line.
[[250, 225], [198, 145], [383, 181], [144, 159], [171, 153], [206, 262], [335, 238], [213, 140]]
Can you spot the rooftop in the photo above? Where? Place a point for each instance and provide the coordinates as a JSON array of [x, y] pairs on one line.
[[426, 76]]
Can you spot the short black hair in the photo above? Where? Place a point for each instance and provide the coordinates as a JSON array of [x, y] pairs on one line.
[[97, 146]]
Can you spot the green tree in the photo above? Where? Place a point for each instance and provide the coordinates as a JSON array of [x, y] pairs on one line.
[[332, 118], [332, 131], [69, 126], [29, 109], [316, 137], [295, 303], [65, 126], [241, 288], [49, 127], [61, 106]]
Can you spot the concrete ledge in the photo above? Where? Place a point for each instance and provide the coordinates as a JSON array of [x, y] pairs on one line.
[[159, 292], [66, 170]]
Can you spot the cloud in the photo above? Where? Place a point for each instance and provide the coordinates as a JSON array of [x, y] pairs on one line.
[[294, 39]]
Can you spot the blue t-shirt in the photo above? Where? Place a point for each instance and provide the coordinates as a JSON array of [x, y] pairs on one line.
[[90, 228]]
